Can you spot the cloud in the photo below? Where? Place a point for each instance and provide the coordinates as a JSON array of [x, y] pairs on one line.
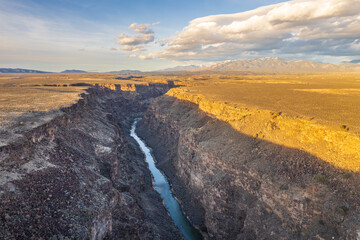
[[139, 39], [141, 28], [318, 27], [132, 48], [136, 42]]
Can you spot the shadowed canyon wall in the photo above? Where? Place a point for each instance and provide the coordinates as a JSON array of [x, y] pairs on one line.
[[236, 186]]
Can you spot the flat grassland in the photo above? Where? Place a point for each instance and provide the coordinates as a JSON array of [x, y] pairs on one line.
[[319, 113], [24, 93], [30, 100], [331, 99]]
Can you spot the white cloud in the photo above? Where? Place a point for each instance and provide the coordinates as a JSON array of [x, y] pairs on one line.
[[132, 48], [141, 28], [139, 39], [136, 43], [318, 27]]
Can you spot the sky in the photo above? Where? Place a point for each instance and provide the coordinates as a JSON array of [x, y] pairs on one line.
[[109, 35]]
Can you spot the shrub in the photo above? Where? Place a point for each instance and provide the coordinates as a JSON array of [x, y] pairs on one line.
[[346, 175], [342, 210], [319, 178], [344, 127]]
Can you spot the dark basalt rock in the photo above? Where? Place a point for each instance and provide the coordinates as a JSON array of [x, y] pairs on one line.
[[81, 176]]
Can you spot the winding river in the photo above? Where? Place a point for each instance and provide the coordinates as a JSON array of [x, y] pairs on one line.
[[162, 186]]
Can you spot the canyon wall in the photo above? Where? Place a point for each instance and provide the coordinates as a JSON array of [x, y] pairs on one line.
[[81, 176], [234, 185]]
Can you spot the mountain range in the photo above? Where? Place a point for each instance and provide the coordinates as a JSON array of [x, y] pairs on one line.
[[279, 65], [180, 68], [19, 70], [73, 71], [259, 65], [355, 61], [127, 72]]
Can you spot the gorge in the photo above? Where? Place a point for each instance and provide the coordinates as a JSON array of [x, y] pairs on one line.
[[82, 175], [162, 186]]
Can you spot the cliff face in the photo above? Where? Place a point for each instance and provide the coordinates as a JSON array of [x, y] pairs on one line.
[[338, 146], [236, 186], [81, 176]]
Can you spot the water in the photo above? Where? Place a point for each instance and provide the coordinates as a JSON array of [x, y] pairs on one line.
[[162, 186]]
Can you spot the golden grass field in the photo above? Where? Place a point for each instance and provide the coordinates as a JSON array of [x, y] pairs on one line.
[[332, 99], [318, 113], [21, 93]]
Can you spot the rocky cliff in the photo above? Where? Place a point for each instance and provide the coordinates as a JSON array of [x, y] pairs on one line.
[[237, 186], [81, 176]]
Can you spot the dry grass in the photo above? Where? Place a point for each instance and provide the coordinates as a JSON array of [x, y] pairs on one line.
[[345, 92], [23, 93], [330, 99]]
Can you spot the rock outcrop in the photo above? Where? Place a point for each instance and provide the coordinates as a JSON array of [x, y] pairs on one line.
[[236, 186], [81, 176]]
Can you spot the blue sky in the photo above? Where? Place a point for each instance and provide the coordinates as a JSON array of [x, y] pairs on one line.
[[66, 34]]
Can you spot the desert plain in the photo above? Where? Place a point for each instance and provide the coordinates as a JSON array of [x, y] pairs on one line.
[[329, 100]]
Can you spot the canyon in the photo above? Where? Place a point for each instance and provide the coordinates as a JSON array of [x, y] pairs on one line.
[[81, 175], [237, 171]]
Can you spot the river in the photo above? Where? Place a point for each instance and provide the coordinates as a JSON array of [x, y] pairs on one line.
[[162, 186]]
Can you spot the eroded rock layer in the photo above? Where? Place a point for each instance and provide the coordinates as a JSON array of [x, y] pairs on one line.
[[81, 176], [236, 186]]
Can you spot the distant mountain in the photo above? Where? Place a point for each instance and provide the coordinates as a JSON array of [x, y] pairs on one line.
[[355, 61], [129, 77], [274, 65], [180, 68], [19, 70], [353, 66], [73, 71], [127, 72]]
